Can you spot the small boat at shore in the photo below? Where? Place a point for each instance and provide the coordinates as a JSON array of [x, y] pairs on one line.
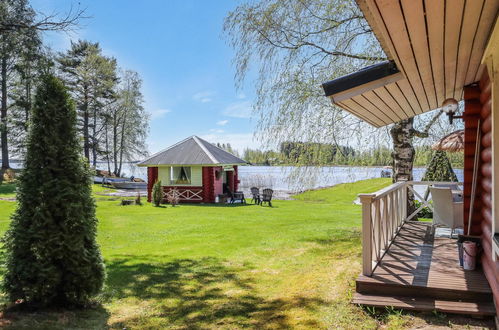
[[128, 185], [106, 180], [120, 183], [386, 172]]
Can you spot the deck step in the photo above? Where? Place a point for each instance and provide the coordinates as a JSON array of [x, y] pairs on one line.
[[423, 304], [381, 286]]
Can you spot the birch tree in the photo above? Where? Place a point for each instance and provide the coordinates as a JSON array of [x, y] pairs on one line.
[[128, 122], [293, 47]]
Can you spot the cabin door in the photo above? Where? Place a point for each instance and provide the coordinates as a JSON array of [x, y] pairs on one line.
[[224, 182]]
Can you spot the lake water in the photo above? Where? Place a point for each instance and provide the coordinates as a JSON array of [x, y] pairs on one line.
[[286, 180], [294, 178]]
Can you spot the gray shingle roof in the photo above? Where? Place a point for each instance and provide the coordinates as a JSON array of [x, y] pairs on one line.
[[192, 151]]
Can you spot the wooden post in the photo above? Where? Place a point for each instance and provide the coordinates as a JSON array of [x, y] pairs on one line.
[[367, 258], [404, 203]]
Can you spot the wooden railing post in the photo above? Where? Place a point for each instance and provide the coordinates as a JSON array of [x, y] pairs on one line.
[[404, 202], [367, 230]]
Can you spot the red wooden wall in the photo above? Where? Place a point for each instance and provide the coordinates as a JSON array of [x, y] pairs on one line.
[[152, 176], [208, 184], [478, 105]]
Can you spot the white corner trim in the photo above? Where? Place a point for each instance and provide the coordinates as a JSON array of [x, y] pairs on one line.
[[213, 159]]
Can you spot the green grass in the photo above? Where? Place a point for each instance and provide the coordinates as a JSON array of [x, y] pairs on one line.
[[7, 190], [225, 267]]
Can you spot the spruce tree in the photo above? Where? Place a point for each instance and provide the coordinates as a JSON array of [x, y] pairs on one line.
[[440, 168], [157, 193], [52, 257]]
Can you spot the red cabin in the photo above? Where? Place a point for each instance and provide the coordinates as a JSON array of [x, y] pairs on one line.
[[199, 170]]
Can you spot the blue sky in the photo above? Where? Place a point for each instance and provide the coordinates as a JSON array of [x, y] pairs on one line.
[[178, 49]]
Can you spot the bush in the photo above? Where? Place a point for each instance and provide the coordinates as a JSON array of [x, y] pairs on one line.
[[173, 197], [157, 193], [425, 212], [7, 175], [51, 254]]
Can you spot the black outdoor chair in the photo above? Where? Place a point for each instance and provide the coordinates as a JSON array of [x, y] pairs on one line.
[[236, 196], [266, 197], [255, 192]]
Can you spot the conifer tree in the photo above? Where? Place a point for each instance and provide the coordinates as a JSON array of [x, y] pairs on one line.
[[52, 257], [440, 168], [157, 193]]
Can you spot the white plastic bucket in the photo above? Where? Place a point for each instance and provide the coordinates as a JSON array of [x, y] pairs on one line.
[[469, 255]]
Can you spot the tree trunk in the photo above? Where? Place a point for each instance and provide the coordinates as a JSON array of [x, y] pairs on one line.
[[403, 155], [403, 150], [122, 143], [86, 145], [107, 145], [94, 139], [3, 115], [27, 108], [115, 142]]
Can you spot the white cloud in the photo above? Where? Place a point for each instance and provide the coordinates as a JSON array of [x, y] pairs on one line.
[[203, 97], [241, 96], [241, 109], [216, 130], [222, 122], [238, 141], [159, 113]]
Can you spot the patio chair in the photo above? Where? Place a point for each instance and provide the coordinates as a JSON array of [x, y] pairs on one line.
[[236, 196], [457, 193], [445, 210], [255, 192], [266, 197]]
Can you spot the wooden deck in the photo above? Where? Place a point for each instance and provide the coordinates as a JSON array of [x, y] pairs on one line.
[[421, 272]]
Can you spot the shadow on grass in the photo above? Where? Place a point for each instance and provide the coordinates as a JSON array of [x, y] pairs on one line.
[[89, 318], [190, 293], [218, 204]]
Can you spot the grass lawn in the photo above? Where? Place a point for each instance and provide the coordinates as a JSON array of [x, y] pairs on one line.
[[207, 266]]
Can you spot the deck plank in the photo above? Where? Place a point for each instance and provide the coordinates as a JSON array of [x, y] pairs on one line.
[[417, 258], [426, 268], [428, 305]]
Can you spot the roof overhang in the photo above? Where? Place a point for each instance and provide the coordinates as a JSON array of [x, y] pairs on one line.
[[437, 48], [190, 165], [364, 80]]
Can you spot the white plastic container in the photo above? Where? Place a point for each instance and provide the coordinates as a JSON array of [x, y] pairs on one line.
[[469, 255]]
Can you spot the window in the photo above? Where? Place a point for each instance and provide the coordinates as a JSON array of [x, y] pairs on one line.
[[181, 175]]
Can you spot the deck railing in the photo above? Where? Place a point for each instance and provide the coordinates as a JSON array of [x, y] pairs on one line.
[[383, 214]]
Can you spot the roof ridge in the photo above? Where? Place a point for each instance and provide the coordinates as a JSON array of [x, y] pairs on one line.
[[166, 149], [210, 155], [215, 146]]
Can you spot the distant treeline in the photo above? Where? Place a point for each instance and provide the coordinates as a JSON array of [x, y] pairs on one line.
[[304, 153]]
